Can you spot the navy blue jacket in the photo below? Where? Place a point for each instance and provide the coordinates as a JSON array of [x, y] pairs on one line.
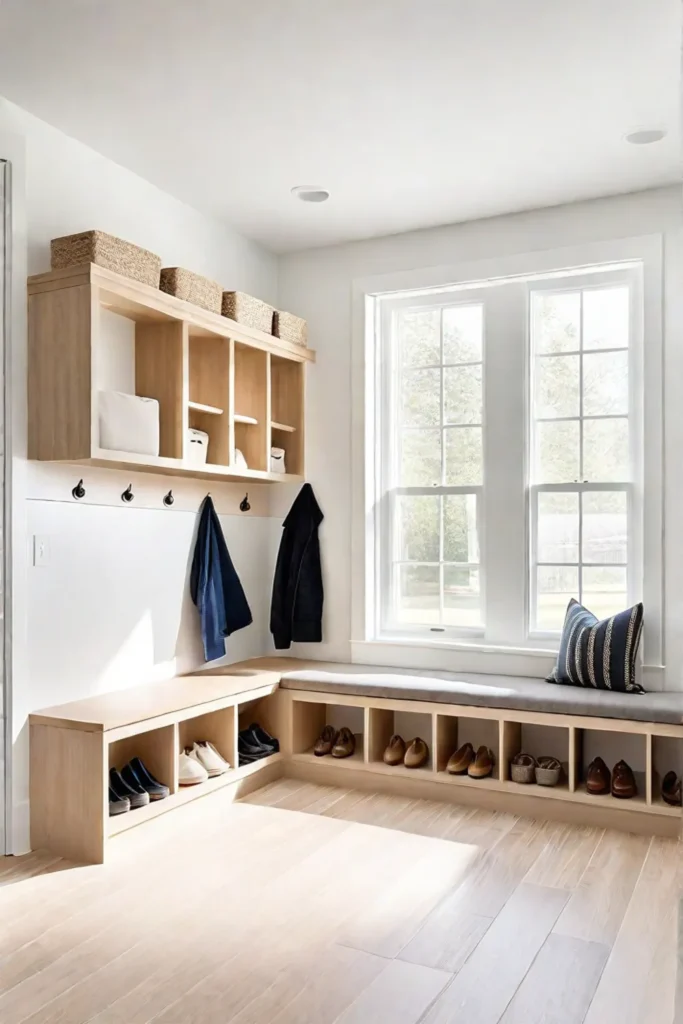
[[215, 586], [296, 611]]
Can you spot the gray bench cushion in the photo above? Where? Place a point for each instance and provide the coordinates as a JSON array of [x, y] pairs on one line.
[[513, 692]]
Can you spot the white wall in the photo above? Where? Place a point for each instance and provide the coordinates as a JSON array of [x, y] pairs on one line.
[[111, 608], [318, 285]]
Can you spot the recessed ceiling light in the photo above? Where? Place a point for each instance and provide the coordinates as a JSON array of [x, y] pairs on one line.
[[311, 193], [645, 136]]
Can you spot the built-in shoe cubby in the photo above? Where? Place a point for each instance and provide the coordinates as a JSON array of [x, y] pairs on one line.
[[309, 719], [613, 746], [216, 727], [383, 724], [537, 741], [452, 733], [666, 756], [154, 748]]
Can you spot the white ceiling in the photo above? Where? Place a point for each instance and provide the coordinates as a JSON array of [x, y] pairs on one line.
[[411, 112]]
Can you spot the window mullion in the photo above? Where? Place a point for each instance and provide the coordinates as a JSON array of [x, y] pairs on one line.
[[504, 540]]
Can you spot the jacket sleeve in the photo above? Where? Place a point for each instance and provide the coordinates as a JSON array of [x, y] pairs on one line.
[[308, 605], [280, 622]]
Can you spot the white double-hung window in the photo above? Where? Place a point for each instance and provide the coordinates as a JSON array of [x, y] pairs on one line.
[[506, 455]]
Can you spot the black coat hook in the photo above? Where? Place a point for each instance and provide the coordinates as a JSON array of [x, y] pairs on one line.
[[244, 504], [79, 490], [128, 495], [169, 499]]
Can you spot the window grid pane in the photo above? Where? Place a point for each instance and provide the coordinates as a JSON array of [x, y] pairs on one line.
[[598, 545], [580, 537], [439, 413]]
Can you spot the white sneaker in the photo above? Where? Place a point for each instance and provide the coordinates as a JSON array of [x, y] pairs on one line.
[[209, 758], [190, 771]]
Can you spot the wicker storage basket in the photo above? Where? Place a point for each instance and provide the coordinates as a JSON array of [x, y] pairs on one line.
[[106, 251], [245, 309], [546, 776], [290, 328], [191, 287], [524, 773]]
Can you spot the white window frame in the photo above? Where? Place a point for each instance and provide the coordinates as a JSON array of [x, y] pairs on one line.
[[633, 488], [509, 655]]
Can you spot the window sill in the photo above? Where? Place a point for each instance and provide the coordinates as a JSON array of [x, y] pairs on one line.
[[452, 655], [453, 644]]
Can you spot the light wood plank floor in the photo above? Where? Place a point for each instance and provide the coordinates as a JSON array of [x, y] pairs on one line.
[[310, 905]]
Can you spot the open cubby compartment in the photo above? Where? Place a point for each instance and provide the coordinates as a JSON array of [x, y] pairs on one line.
[[209, 396], [384, 723], [218, 727], [309, 719], [144, 359], [666, 755], [264, 712], [539, 741], [452, 732], [156, 748], [287, 411], [613, 746], [251, 405]]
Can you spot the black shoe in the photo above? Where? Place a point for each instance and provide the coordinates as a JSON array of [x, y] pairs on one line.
[[248, 751], [117, 804], [135, 771], [264, 738], [138, 796]]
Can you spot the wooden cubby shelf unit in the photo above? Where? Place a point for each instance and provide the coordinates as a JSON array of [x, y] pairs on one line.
[[92, 330], [506, 732], [73, 746]]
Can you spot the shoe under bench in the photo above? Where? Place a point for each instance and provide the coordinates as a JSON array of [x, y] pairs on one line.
[[73, 746]]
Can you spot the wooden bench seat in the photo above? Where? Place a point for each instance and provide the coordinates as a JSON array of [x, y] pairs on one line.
[[74, 745]]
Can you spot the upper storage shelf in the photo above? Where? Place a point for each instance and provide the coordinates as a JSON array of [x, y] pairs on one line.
[[95, 337]]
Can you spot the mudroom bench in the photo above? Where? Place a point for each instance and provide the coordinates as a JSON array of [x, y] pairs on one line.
[[74, 745]]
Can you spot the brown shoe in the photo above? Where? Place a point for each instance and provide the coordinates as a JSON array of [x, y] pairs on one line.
[[671, 789], [482, 764], [395, 752], [598, 778], [417, 754], [345, 744], [623, 781], [459, 762], [325, 742]]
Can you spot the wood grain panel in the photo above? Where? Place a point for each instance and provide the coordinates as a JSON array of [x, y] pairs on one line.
[[59, 374], [160, 361], [67, 791]]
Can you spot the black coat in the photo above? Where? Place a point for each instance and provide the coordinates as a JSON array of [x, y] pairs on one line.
[[215, 586], [296, 611]]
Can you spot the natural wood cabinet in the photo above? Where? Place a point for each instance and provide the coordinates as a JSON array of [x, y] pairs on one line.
[[242, 387]]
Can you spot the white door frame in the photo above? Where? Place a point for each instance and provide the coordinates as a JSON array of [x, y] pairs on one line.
[[12, 465]]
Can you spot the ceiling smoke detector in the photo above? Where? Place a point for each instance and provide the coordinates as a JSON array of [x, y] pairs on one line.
[[311, 193], [645, 136]]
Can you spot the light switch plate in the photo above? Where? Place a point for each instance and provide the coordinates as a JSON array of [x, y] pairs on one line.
[[41, 550]]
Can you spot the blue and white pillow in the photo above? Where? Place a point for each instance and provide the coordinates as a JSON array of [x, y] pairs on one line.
[[601, 654]]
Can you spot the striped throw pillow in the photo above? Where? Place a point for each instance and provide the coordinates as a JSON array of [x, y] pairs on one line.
[[601, 654]]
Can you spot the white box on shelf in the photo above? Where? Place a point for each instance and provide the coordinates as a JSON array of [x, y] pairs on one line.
[[129, 423], [277, 460], [197, 447]]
